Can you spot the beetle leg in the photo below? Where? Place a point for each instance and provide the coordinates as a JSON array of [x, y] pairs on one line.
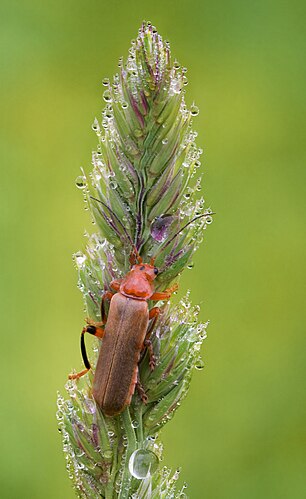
[[132, 258], [106, 296], [152, 362], [153, 314], [97, 325], [141, 391], [135, 257], [115, 284], [164, 295], [95, 330]]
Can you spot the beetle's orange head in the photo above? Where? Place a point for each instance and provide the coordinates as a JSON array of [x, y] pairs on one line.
[[148, 271]]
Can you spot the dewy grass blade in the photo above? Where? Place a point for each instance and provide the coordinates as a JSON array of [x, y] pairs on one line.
[[142, 193]]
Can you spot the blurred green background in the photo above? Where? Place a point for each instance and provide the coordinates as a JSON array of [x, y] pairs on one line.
[[241, 431]]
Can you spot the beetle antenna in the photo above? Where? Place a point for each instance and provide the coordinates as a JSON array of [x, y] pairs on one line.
[[135, 250], [181, 230]]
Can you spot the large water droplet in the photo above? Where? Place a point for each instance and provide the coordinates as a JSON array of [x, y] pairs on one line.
[[143, 463], [161, 226]]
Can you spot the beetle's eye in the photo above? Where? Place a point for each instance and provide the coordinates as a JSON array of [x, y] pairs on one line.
[[155, 271]]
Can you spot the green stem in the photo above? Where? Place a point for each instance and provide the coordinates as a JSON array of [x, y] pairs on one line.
[[139, 429], [131, 447]]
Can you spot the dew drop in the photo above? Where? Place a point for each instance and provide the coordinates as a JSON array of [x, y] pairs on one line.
[[192, 336], [80, 182], [175, 87], [138, 132], [190, 265], [95, 125], [107, 96], [194, 110], [165, 141], [161, 226], [90, 406], [80, 258], [113, 184], [176, 475], [105, 82], [151, 438], [124, 105], [199, 364], [143, 463]]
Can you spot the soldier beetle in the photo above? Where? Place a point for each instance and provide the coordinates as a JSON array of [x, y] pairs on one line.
[[125, 331]]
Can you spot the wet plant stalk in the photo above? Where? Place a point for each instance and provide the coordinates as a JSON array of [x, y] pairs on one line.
[[143, 188]]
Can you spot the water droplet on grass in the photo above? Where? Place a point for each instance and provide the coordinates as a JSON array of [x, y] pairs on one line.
[[199, 364], [194, 110], [107, 96], [138, 132], [107, 454], [80, 182], [161, 226], [143, 463], [80, 258]]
